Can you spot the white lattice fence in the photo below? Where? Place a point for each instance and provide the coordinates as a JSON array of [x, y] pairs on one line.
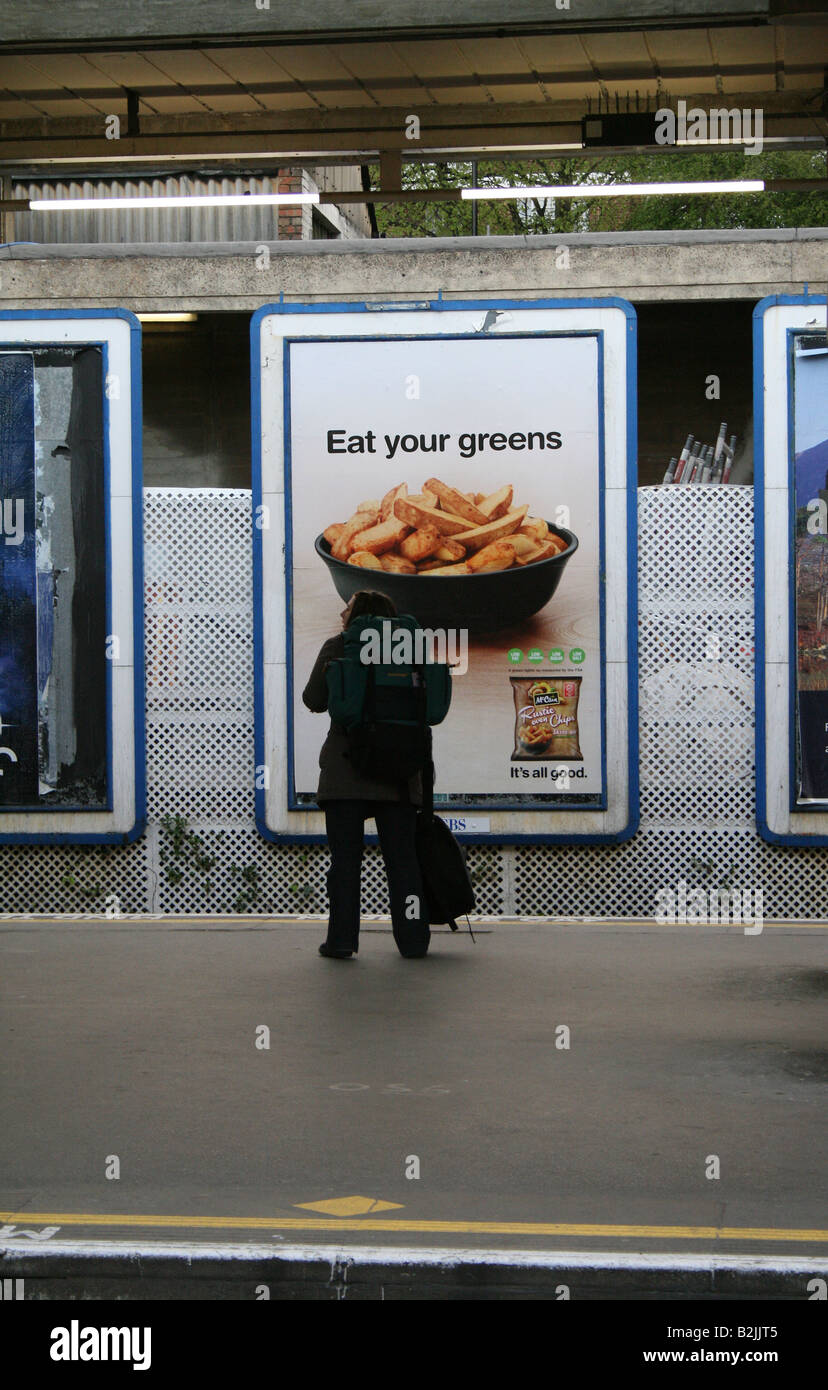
[[696, 731]]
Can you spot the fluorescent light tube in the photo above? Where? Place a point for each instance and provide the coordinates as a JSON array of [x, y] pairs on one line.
[[616, 190], [173, 201]]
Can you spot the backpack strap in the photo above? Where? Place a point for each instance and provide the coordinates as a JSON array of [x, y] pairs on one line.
[[369, 709], [428, 807], [455, 927], [428, 778]]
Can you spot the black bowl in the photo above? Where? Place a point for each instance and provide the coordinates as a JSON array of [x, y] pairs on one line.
[[478, 602]]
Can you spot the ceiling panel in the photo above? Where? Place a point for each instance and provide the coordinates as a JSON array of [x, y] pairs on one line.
[[745, 82], [467, 78], [612, 69], [375, 60], [129, 69], [492, 55], [248, 65], [810, 79], [701, 83], [515, 93], [736, 57], [803, 49], [177, 105], [13, 110], [21, 75], [187, 68], [680, 48], [232, 101], [310, 64], [573, 91], [548, 54], [743, 47], [446, 72], [64, 107], [808, 40], [295, 100], [384, 74], [619, 50], [322, 73], [412, 98], [70, 70], [338, 98], [435, 59], [256, 68], [472, 95]]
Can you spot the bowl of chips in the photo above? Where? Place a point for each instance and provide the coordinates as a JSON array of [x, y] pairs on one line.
[[451, 559]]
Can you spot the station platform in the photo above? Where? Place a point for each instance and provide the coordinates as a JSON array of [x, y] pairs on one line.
[[197, 1108]]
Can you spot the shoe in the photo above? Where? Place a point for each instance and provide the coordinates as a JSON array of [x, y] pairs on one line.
[[326, 950]]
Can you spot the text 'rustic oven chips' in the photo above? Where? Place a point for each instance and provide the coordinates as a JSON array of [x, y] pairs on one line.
[[546, 718]]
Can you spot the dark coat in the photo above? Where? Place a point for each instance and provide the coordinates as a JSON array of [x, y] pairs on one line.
[[339, 780]]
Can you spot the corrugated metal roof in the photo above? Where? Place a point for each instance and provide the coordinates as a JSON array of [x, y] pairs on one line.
[[199, 224]]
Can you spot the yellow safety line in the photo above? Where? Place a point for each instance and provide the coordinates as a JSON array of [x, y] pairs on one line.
[[499, 1228]]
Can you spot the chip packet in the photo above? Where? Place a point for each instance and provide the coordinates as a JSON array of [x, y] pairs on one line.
[[546, 718]]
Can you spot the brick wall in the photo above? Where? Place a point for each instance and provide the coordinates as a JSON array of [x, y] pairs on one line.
[[294, 218]]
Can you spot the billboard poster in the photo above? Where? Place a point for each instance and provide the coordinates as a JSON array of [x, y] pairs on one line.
[[810, 464], [497, 442], [53, 667], [71, 669], [474, 461], [790, 407], [18, 582]]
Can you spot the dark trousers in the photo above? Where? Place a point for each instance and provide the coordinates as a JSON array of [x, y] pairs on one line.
[[396, 821]]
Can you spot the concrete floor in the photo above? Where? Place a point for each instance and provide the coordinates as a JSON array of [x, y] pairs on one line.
[[139, 1041]]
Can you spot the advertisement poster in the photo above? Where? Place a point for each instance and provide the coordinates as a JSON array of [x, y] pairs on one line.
[[71, 589], [512, 425], [18, 582], [53, 662], [810, 381]]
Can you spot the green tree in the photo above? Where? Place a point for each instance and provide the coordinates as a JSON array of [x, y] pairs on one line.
[[725, 210], [537, 215]]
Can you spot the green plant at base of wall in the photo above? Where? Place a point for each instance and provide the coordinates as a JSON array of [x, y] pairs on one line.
[[248, 896], [182, 849], [76, 881], [305, 891], [708, 868]]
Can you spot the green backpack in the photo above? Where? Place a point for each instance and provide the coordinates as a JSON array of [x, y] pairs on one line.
[[387, 695]]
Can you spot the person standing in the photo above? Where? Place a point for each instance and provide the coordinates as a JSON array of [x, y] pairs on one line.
[[348, 798]]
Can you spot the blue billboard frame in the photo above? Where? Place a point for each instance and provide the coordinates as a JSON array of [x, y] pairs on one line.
[[772, 836], [437, 306], [139, 675]]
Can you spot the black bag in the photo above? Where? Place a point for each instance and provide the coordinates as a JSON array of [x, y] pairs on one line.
[[387, 752], [446, 879], [386, 705]]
